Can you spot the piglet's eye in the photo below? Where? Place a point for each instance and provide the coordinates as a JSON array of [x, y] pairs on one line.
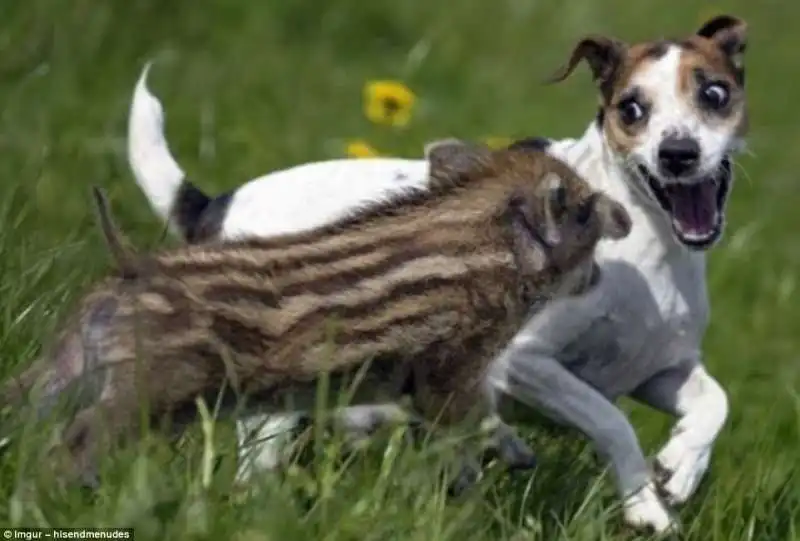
[[585, 211], [558, 200]]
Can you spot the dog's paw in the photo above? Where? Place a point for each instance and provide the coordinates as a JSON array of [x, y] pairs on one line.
[[679, 470], [643, 510]]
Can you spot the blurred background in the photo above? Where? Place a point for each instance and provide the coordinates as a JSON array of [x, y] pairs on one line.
[[250, 87]]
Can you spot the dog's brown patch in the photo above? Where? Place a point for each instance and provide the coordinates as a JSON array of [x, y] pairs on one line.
[[623, 136], [714, 52], [716, 59]]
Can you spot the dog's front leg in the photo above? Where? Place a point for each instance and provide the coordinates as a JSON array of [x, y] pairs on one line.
[[530, 374], [690, 393]]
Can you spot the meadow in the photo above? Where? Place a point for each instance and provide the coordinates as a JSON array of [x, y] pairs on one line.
[[251, 87]]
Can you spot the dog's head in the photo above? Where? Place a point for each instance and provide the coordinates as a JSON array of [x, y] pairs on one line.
[[673, 111]]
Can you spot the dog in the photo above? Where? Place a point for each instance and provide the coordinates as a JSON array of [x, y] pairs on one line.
[[672, 115]]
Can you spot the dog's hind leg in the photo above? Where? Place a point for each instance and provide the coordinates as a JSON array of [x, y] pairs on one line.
[[690, 393], [360, 421], [262, 439], [529, 374]]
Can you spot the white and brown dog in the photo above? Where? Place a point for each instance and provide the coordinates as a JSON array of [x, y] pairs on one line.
[[672, 114]]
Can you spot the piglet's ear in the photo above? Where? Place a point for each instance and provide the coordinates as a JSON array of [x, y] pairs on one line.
[[451, 160], [531, 252], [555, 204], [615, 221]]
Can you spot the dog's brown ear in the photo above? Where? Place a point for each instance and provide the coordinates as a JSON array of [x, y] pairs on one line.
[[453, 160], [729, 33], [604, 55]]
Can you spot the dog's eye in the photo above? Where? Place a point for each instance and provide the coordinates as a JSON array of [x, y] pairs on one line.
[[631, 111], [714, 96]]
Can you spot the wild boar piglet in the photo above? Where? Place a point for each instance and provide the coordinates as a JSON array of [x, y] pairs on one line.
[[412, 297]]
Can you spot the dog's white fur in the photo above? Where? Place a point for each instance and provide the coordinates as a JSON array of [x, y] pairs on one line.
[[294, 199], [638, 333], [674, 114]]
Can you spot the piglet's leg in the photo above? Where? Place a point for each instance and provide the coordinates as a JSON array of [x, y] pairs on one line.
[[509, 447], [464, 398], [502, 442]]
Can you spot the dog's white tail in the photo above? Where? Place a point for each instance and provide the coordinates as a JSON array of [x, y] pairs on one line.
[[157, 173]]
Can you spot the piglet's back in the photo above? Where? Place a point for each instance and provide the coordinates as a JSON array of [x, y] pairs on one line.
[[393, 279]]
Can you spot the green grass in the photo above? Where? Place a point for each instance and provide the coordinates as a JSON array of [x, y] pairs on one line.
[[254, 86]]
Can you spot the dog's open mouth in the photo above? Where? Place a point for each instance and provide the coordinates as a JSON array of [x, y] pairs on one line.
[[696, 209]]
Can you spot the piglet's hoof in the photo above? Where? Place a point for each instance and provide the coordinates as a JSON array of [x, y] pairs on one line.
[[512, 451], [466, 477], [516, 454]]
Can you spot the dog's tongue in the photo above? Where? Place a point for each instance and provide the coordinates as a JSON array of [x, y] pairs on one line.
[[694, 207]]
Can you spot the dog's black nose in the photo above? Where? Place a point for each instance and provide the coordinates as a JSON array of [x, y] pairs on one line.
[[678, 156]]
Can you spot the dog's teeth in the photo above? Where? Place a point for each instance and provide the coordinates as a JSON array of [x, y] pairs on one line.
[[691, 235]]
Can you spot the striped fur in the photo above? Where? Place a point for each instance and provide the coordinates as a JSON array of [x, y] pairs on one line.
[[416, 294]]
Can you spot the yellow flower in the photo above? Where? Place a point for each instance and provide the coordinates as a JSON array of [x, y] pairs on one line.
[[494, 142], [360, 149], [388, 102]]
